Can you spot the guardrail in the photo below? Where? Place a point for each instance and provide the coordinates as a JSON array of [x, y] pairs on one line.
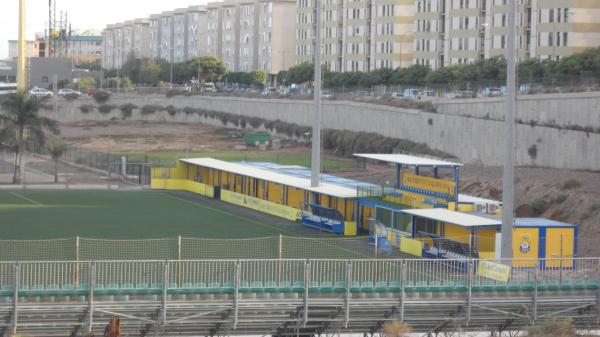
[[290, 275]]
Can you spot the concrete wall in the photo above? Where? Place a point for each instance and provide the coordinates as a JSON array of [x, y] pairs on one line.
[[472, 140], [581, 109]]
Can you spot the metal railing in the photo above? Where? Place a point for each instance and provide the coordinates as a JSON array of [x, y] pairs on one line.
[[358, 275]]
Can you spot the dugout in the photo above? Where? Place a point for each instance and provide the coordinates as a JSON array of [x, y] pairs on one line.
[[280, 190], [537, 238]]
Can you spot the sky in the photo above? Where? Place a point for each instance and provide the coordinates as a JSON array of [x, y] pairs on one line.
[[83, 14]]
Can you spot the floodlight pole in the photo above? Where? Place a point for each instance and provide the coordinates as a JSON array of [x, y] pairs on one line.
[[316, 133], [21, 71], [509, 141]]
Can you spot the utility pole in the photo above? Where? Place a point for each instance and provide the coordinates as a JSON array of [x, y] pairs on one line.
[[21, 71], [508, 178], [316, 136]]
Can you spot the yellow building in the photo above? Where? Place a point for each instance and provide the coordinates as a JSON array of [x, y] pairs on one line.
[[278, 190]]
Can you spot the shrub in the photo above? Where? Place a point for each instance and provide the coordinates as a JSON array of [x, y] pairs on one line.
[[71, 97], [151, 108], [106, 108], [532, 151], [560, 199], [553, 328], [571, 184], [188, 110], [86, 108], [171, 110], [127, 109], [539, 206], [101, 96]]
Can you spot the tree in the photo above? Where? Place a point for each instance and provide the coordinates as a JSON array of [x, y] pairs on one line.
[[150, 73], [209, 68], [95, 65], [257, 77], [56, 148], [19, 120], [301, 73], [87, 83]]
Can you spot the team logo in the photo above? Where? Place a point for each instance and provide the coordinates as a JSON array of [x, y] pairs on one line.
[[525, 246]]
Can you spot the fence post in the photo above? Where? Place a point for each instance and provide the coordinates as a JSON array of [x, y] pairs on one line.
[[77, 260], [15, 318], [163, 318], [348, 287], [91, 298], [280, 247], [236, 294], [535, 291], [179, 248], [469, 289], [402, 288], [306, 284]]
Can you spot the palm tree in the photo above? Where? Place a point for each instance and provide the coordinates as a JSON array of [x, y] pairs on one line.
[[20, 121], [56, 148]]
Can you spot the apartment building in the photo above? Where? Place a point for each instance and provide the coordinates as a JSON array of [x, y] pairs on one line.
[[214, 33], [154, 38], [141, 38], [275, 31], [249, 38], [367, 35], [196, 31]]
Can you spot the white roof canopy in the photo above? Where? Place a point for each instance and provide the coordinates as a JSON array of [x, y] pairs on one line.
[[464, 198], [275, 177], [407, 160], [451, 217]]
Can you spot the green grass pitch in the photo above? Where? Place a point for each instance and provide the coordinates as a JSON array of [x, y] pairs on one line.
[[40, 215]]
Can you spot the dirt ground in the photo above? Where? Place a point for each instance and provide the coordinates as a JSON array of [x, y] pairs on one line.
[[141, 136], [539, 191]]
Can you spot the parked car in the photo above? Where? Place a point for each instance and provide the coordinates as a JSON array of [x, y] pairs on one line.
[[67, 92], [209, 87], [528, 88], [40, 92], [326, 94], [492, 92], [397, 94], [412, 93]]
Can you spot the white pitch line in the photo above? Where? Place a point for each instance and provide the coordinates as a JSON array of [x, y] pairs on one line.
[[26, 198]]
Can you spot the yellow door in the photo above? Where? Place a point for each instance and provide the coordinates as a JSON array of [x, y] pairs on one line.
[[560, 244]]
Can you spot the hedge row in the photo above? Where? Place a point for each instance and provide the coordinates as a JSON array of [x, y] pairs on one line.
[[341, 142]]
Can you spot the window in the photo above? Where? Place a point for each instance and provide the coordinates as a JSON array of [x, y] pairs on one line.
[[44, 79]]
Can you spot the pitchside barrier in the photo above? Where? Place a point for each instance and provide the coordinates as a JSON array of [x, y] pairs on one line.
[[182, 248], [37, 277]]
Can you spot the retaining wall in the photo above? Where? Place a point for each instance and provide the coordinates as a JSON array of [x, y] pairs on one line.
[[472, 140]]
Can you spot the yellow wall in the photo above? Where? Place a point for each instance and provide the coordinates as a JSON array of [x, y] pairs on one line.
[[182, 185], [275, 193], [486, 242], [525, 246], [428, 183], [260, 205], [560, 243], [413, 200], [457, 233], [296, 197]]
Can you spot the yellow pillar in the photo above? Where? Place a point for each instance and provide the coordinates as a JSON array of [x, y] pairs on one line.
[[21, 71]]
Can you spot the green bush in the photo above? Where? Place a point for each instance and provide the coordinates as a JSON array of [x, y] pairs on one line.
[[106, 108], [127, 110], [533, 151], [151, 108], [101, 96], [538, 207], [86, 108], [571, 184], [171, 110]]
